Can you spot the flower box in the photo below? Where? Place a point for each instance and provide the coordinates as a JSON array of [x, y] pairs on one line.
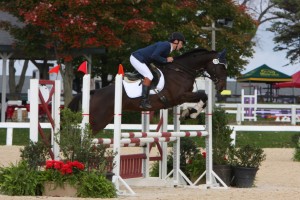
[[66, 190]]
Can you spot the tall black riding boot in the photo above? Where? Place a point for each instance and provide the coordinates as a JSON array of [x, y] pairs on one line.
[[145, 104]]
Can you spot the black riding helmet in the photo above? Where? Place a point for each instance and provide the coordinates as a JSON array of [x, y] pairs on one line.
[[177, 36]]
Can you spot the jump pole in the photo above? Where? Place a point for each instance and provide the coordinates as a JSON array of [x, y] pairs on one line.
[[117, 179], [211, 176], [86, 86], [146, 150], [55, 113]]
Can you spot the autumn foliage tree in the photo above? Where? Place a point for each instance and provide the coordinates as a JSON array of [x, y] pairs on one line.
[[122, 26], [64, 26]]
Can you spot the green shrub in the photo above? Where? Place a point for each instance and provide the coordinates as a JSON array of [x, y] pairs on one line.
[[188, 151], [221, 140], [35, 154], [248, 156], [20, 180], [95, 185]]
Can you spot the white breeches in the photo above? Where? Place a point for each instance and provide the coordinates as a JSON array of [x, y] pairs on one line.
[[142, 68]]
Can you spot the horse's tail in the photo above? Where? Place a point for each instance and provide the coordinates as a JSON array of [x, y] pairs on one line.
[[75, 104]]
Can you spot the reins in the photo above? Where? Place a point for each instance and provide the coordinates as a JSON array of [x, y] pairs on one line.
[[181, 68]]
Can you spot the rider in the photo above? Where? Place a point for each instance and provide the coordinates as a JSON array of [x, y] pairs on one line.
[[155, 53]]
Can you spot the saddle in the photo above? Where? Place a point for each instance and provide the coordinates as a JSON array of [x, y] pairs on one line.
[[135, 76]]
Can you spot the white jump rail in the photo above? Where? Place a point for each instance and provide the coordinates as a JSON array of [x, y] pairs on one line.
[[9, 126], [253, 128], [239, 108]]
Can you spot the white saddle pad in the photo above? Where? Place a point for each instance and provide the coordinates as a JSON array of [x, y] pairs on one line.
[[134, 89]]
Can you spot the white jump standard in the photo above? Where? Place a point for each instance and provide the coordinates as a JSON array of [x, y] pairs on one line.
[[148, 137]]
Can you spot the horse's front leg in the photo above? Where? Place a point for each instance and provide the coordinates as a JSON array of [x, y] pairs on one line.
[[192, 112]]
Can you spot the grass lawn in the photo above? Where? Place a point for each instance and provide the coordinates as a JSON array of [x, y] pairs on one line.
[[260, 139], [20, 136], [266, 139]]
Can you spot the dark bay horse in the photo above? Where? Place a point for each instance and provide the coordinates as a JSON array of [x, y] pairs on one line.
[[179, 79]]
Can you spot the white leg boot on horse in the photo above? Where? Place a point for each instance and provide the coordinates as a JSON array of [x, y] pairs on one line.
[[145, 104], [198, 107], [192, 112]]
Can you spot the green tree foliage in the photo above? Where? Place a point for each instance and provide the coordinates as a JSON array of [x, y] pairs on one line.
[[287, 30], [126, 25]]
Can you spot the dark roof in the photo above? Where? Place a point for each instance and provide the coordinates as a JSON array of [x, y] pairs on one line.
[[7, 41], [5, 37]]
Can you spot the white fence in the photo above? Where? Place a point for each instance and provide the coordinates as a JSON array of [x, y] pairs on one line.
[[9, 126], [256, 128], [230, 108], [237, 109]]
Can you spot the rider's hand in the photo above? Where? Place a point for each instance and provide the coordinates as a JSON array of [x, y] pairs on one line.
[[170, 59]]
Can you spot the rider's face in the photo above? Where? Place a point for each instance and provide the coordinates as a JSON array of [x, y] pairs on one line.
[[178, 44]]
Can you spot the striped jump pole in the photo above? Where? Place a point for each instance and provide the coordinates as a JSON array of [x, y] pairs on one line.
[[126, 145], [164, 134], [134, 140]]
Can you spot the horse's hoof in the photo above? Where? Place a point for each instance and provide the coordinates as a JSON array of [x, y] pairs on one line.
[[145, 106]]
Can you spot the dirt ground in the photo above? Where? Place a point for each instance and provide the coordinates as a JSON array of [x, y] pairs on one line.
[[277, 179]]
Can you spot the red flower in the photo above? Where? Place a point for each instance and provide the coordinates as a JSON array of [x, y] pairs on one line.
[[78, 165], [204, 154], [58, 164], [64, 168], [49, 164]]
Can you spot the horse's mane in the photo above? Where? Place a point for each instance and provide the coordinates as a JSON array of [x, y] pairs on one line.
[[197, 50]]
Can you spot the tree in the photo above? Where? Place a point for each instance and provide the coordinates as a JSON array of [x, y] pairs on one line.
[[261, 11], [16, 89], [62, 26], [287, 30], [123, 26], [188, 17]]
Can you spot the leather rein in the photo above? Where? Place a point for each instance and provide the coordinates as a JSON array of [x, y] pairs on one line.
[[197, 73]]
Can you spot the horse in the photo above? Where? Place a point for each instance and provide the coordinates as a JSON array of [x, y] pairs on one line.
[[179, 78]]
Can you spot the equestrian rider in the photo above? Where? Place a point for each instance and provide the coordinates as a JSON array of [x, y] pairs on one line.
[[155, 53]]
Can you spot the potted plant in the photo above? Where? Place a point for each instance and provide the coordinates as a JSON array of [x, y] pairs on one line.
[[221, 145], [82, 166], [246, 161], [73, 179]]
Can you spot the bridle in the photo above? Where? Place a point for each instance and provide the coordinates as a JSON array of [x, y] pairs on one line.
[[200, 72], [213, 77]]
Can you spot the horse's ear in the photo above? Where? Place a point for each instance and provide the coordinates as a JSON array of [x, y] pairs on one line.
[[222, 54]]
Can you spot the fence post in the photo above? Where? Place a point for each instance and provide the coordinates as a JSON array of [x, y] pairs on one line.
[[293, 115], [34, 110]]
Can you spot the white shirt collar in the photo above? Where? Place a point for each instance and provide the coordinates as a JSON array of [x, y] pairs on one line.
[[171, 47]]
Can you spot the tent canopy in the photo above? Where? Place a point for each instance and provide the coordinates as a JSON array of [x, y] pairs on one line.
[[295, 83], [264, 73]]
